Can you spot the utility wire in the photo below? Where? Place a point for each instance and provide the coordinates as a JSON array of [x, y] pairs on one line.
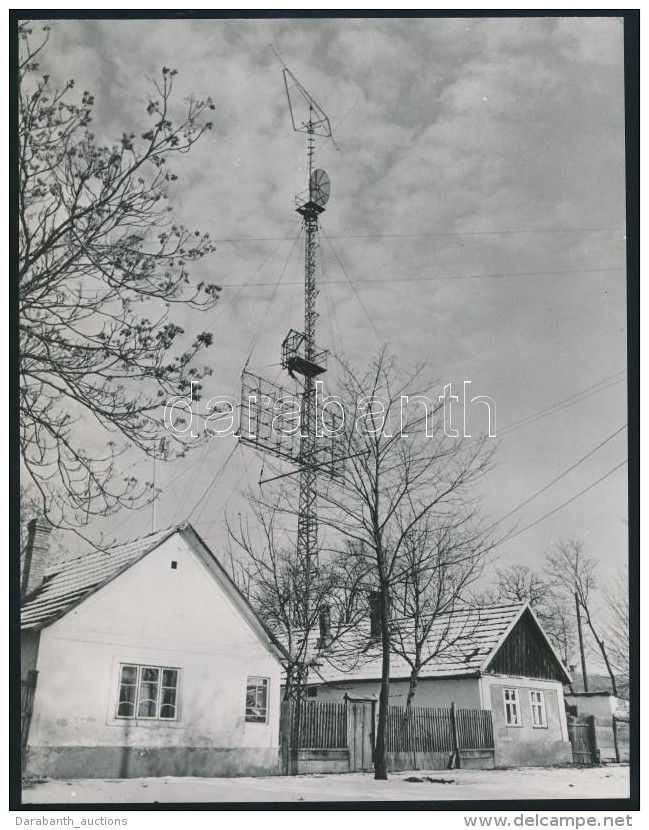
[[420, 235], [559, 477], [451, 277], [255, 339], [561, 506], [600, 386]]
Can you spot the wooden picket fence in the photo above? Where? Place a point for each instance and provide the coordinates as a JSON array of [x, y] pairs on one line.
[[424, 729], [333, 736], [323, 725], [475, 729]]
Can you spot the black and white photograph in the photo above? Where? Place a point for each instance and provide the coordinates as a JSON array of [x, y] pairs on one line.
[[322, 348]]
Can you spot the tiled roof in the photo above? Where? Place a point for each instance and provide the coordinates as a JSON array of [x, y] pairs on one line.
[[462, 642], [72, 581]]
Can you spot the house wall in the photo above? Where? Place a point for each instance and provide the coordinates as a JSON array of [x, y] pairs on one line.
[[601, 706], [527, 745], [153, 614], [438, 693]]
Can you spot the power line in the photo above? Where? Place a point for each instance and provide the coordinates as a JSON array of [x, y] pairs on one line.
[[594, 389], [559, 477], [561, 506], [373, 280], [421, 235]]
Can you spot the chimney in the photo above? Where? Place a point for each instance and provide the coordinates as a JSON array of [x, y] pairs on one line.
[[374, 598], [325, 626], [36, 550]]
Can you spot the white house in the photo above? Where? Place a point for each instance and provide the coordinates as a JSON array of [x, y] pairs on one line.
[[149, 662]]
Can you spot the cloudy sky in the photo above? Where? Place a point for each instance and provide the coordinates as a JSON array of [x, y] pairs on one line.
[[476, 225]]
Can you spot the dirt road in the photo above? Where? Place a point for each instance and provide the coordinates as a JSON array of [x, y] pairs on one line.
[[611, 781]]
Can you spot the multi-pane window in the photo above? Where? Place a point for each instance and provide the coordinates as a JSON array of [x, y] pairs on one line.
[[537, 704], [149, 692], [257, 700], [512, 709]]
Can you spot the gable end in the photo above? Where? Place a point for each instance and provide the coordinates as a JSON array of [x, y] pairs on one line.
[[526, 653]]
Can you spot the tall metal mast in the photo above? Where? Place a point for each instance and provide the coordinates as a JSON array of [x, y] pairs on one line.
[[308, 451], [302, 357]]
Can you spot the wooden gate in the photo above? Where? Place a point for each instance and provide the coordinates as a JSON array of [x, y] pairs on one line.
[[621, 738], [360, 734], [581, 732]]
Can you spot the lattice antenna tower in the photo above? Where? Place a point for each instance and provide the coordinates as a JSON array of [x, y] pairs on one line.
[[309, 452], [299, 352]]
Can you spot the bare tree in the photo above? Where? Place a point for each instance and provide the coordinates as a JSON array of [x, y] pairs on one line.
[[616, 623], [556, 615], [438, 564], [100, 266], [308, 613], [574, 572], [397, 478], [519, 583]]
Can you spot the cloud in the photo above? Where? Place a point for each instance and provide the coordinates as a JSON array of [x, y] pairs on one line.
[[474, 151]]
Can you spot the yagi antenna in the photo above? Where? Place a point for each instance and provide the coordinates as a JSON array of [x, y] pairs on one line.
[[306, 115]]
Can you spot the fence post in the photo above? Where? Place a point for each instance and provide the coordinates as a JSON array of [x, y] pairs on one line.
[[456, 743], [592, 734], [615, 741]]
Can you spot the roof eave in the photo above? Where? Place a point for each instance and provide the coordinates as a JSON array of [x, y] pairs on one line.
[[264, 633]]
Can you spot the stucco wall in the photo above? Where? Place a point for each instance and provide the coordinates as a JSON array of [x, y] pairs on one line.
[[440, 693], [600, 705], [157, 615], [526, 744]]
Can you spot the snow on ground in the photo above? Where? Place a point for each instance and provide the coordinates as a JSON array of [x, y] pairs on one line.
[[611, 781]]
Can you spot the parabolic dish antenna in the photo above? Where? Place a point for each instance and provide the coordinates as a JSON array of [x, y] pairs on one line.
[[319, 187]]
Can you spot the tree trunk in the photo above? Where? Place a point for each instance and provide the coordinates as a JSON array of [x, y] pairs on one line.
[[609, 668], [412, 687], [380, 750], [600, 645]]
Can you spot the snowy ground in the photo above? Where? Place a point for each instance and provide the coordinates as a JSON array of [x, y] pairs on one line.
[[611, 781]]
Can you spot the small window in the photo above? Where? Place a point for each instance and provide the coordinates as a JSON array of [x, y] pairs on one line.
[[148, 693], [537, 703], [257, 700], [512, 709]]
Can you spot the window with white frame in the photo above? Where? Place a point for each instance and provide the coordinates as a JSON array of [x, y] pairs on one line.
[[257, 700], [148, 692], [537, 703], [512, 708]]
